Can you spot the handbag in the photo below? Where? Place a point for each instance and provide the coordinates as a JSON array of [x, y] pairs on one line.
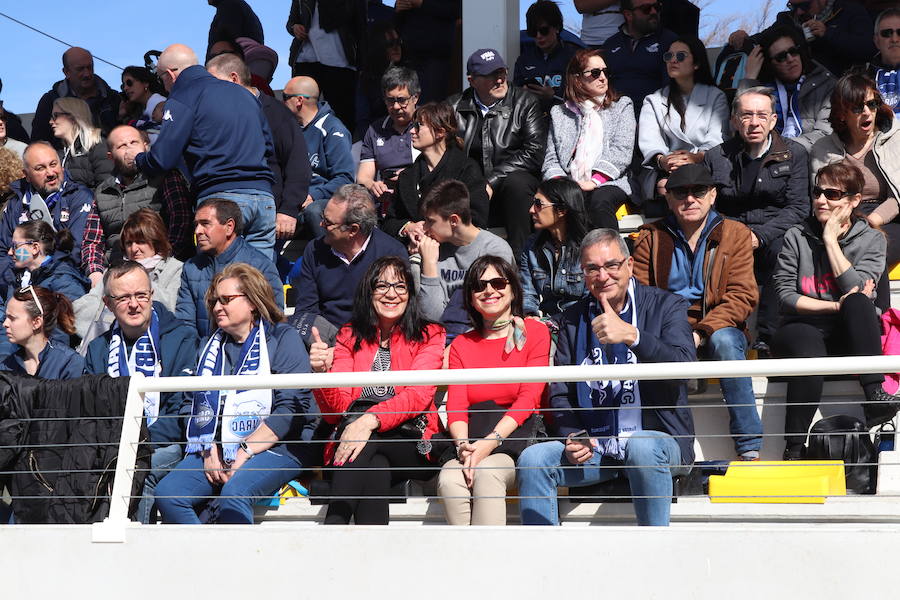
[[411, 429], [843, 437], [483, 418]]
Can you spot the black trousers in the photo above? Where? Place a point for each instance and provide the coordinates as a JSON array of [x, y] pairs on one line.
[[337, 86], [362, 487], [601, 205], [855, 332], [765, 260], [509, 208]]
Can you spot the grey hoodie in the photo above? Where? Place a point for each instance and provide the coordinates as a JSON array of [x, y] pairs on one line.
[[803, 268]]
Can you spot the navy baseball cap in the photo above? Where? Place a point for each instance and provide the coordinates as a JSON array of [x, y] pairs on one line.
[[687, 175], [484, 62]]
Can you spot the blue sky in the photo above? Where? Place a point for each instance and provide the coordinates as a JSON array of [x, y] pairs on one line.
[[122, 31]]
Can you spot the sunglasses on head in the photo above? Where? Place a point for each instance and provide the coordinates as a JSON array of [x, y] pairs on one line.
[[679, 56], [829, 193], [873, 105], [498, 283], [886, 33], [595, 73], [648, 8], [783, 56]]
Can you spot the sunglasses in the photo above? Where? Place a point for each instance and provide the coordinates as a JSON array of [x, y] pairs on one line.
[[304, 96], [542, 31], [697, 191], [539, 204], [873, 105], [829, 193], [498, 283], [648, 8], [34, 297], [226, 299], [783, 56], [679, 56], [595, 73], [55, 116], [393, 43], [886, 33], [128, 82]]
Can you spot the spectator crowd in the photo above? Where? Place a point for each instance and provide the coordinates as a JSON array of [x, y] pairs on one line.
[[168, 229]]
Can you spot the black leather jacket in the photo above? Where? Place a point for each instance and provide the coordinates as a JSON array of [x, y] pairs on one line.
[[514, 134]]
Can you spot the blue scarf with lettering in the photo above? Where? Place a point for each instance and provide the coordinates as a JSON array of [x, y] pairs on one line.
[[144, 359]]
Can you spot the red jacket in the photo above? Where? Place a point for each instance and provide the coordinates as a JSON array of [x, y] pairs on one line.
[[408, 401]]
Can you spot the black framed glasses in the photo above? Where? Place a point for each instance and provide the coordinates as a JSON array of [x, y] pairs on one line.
[[399, 287], [873, 105], [697, 191], [497, 283], [225, 299], [402, 101], [324, 222], [830, 194], [886, 33], [612, 267], [679, 56], [783, 56], [646, 9], [595, 73]]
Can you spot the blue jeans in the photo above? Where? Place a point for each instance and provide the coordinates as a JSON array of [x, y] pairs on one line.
[[730, 343], [258, 210], [161, 462], [654, 456], [185, 488], [311, 217]]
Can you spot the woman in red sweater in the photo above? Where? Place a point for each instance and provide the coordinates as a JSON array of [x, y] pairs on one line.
[[491, 424], [386, 333]]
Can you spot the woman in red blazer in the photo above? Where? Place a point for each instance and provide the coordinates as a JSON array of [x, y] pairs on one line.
[[387, 427]]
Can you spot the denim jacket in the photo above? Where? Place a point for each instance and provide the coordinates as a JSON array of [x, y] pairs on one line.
[[548, 285]]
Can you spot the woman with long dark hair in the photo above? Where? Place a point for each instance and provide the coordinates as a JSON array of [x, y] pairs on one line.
[[683, 119], [550, 266], [591, 138], [491, 424], [825, 281], [379, 428]]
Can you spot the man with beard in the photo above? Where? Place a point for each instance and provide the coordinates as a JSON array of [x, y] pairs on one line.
[[46, 193], [634, 55], [127, 190]]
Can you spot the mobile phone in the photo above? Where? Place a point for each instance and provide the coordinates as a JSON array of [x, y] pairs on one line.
[[580, 436]]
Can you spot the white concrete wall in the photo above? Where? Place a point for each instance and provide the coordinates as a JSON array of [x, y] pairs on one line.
[[396, 563], [490, 24]]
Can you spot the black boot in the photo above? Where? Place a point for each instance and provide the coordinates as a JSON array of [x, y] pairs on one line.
[[880, 408]]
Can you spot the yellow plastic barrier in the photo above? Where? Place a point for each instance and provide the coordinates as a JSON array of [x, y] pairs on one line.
[[779, 482], [894, 274]]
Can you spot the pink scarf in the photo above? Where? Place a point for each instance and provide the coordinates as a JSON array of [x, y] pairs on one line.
[[590, 141]]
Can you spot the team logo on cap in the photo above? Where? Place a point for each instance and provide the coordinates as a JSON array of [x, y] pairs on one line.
[[488, 56]]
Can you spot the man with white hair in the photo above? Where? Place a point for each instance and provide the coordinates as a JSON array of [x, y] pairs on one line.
[[222, 135]]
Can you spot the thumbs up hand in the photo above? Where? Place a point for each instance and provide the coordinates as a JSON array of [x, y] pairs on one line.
[[320, 355], [609, 328]]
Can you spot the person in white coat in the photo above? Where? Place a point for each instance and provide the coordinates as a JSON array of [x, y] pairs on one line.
[[679, 122]]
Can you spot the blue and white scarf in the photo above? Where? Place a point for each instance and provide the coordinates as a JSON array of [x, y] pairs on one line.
[[242, 411], [608, 424], [888, 82], [144, 359], [787, 107], [37, 208]]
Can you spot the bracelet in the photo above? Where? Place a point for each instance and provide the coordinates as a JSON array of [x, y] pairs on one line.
[[497, 437]]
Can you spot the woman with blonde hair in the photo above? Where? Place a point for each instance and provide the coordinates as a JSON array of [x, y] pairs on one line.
[[84, 148], [229, 431]]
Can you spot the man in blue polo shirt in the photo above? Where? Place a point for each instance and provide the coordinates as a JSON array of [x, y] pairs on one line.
[[634, 55]]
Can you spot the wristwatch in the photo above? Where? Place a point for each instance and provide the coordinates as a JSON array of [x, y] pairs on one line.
[[247, 449]]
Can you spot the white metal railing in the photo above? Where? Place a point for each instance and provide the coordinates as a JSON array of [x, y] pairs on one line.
[[112, 529]]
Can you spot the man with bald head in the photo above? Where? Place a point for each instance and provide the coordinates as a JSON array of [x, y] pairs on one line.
[[328, 144], [289, 163], [80, 82], [219, 131]]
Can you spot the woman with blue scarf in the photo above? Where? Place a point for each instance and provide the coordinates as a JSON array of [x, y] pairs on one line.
[[232, 429]]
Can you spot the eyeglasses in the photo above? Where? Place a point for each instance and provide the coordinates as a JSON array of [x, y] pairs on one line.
[[783, 56], [25, 243], [648, 8], [679, 56], [830, 194], [612, 267], [34, 297], [539, 204], [330, 224], [798, 5], [595, 73], [749, 116], [304, 96], [498, 283], [873, 105], [139, 297], [886, 33], [399, 287], [697, 191], [542, 31], [226, 299], [402, 101], [54, 116]]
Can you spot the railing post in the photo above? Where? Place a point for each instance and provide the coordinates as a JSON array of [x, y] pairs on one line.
[[112, 528]]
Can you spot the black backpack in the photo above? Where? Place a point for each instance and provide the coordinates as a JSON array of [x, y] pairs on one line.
[[842, 437]]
